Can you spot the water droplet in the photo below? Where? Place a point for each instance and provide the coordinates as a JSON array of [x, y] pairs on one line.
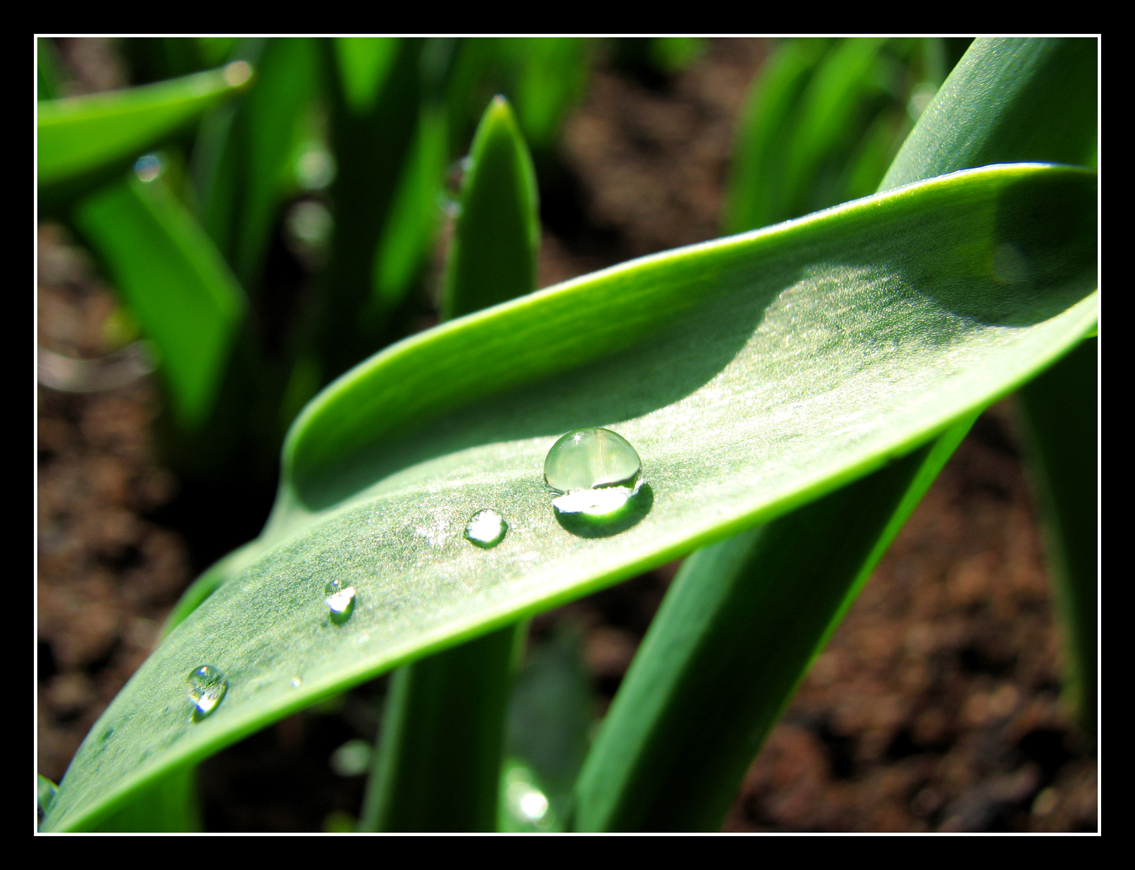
[[340, 600], [207, 686], [596, 471], [148, 167], [486, 528], [297, 681]]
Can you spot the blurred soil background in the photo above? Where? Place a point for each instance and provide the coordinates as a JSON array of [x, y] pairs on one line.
[[935, 707]]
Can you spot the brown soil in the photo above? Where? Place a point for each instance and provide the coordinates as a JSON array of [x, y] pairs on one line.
[[935, 707]]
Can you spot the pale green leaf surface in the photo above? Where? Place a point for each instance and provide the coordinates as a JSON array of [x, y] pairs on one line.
[[752, 374]]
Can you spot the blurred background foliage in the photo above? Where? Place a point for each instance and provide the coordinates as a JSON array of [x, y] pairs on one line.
[[266, 232], [347, 152]]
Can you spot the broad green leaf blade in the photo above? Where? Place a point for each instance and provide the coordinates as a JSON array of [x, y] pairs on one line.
[[734, 636], [493, 257], [84, 141], [752, 375], [438, 765], [176, 283]]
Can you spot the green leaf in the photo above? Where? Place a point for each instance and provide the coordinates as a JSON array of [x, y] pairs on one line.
[[176, 283], [375, 106], [241, 156], [997, 106], [439, 759], [494, 249], [83, 142], [415, 213], [1061, 413], [734, 636], [439, 762], [993, 109], [752, 374]]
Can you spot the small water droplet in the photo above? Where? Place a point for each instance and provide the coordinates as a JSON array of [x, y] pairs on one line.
[[596, 471], [207, 686], [340, 600], [148, 167], [486, 528], [297, 681]]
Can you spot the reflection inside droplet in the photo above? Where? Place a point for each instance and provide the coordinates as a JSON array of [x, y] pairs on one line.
[[340, 600], [486, 528], [207, 687], [148, 167]]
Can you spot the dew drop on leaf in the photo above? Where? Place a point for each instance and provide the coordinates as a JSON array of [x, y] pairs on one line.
[[340, 600], [596, 471], [486, 528], [207, 686]]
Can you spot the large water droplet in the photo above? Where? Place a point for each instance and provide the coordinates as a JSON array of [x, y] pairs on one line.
[[340, 600], [486, 528], [595, 471], [207, 686]]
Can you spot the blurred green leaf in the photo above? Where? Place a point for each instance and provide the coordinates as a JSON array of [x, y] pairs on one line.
[[1061, 413], [415, 214], [375, 102], [177, 285], [241, 159], [493, 253], [83, 142]]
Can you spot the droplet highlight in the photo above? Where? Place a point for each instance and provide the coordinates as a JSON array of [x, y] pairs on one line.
[[340, 600], [148, 167], [207, 687], [486, 528], [595, 471]]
